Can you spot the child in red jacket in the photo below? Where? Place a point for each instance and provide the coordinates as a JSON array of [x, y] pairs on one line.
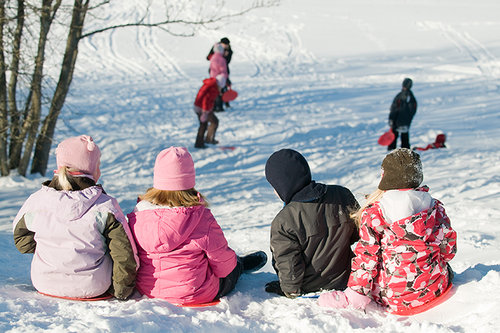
[[406, 242], [203, 107]]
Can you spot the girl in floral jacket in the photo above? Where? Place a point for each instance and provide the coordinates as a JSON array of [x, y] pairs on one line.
[[406, 242]]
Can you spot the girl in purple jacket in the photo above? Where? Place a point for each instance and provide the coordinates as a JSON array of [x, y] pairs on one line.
[[185, 258], [79, 235]]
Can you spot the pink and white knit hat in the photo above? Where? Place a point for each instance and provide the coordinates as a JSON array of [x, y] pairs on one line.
[[80, 153], [174, 170]]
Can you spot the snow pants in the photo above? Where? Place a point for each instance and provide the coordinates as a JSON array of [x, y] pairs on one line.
[[227, 284], [212, 123], [405, 140]]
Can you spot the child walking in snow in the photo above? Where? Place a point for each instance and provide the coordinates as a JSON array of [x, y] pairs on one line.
[[185, 258], [311, 236], [406, 242], [204, 109], [79, 235]]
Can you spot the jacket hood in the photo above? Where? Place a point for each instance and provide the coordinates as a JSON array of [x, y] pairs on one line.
[[72, 204], [210, 81], [171, 226], [399, 204], [288, 172]]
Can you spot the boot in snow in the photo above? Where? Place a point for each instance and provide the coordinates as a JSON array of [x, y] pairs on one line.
[[254, 261]]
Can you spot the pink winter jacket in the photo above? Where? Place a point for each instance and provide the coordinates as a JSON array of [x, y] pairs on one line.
[[182, 251], [218, 65]]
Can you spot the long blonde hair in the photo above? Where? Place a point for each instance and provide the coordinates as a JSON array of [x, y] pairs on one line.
[[182, 198], [370, 199], [63, 176]]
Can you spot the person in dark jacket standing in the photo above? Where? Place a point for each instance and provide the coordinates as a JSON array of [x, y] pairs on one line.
[[311, 236], [403, 108]]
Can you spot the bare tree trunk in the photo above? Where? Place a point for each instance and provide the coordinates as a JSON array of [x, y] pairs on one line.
[[15, 157], [31, 123], [4, 167], [44, 141]]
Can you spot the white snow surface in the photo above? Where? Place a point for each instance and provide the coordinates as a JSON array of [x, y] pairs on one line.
[[316, 76]]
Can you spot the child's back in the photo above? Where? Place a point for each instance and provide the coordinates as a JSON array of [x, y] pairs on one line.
[[79, 237], [406, 242], [415, 239], [183, 251]]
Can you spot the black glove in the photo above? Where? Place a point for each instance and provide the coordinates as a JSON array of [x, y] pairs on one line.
[[275, 288]]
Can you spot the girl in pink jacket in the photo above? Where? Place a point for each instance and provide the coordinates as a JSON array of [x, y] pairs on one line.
[[185, 258], [406, 242]]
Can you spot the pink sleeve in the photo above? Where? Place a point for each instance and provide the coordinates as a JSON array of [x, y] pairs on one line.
[[448, 246], [365, 264], [221, 257]]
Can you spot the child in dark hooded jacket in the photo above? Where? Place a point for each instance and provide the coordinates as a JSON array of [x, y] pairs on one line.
[[311, 236]]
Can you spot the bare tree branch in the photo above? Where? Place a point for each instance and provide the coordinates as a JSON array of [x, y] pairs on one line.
[[200, 21]]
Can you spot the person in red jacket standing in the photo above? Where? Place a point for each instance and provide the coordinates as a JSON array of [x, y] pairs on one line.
[[203, 107]]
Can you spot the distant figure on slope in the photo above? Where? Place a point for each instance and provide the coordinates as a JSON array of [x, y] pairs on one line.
[[218, 67], [406, 242], [311, 236], [228, 52], [79, 235], [204, 106], [403, 109], [185, 258]]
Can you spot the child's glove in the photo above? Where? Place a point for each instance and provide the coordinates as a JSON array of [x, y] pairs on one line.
[[275, 288], [342, 299], [204, 116]]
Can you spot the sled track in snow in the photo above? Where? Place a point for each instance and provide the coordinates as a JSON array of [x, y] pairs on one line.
[[485, 61]]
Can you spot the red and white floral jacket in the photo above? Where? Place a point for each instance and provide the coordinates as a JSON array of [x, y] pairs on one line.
[[405, 243]]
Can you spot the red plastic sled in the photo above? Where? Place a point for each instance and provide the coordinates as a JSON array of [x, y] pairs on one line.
[[429, 305], [386, 138], [199, 305], [92, 299], [438, 143], [227, 147], [229, 95]]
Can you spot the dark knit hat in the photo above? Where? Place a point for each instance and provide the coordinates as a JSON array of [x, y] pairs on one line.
[[224, 40], [407, 83], [401, 168]]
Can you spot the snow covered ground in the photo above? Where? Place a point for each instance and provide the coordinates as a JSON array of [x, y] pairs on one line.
[[316, 76]]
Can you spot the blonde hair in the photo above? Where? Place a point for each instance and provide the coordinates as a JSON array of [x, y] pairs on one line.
[[370, 199], [182, 198], [63, 175]]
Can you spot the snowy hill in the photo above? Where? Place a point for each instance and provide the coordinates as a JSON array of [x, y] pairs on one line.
[[315, 76]]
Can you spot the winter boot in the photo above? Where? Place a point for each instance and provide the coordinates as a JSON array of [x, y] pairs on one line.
[[254, 261]]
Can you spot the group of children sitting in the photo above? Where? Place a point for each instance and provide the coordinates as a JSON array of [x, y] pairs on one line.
[[171, 246]]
